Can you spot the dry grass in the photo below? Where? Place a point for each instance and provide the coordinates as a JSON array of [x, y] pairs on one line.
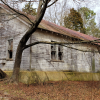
[[66, 90]]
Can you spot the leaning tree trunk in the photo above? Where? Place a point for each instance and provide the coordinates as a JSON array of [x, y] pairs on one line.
[[15, 75], [40, 13]]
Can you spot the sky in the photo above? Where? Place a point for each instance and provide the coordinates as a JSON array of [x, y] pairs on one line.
[[92, 4]]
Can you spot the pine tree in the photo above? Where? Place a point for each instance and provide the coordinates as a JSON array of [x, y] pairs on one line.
[[74, 21], [28, 8]]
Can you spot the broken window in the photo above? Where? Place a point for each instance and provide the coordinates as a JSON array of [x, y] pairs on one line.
[[53, 52], [56, 52], [60, 52], [10, 48]]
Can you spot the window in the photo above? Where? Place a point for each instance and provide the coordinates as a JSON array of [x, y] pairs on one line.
[[53, 52], [60, 53], [10, 48], [56, 52]]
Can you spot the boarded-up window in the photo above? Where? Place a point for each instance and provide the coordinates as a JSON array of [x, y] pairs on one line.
[[10, 48]]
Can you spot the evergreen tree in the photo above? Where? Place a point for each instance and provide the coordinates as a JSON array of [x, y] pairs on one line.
[[28, 8], [74, 21], [89, 23]]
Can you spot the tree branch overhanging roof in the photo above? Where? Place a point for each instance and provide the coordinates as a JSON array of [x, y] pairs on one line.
[[56, 28]]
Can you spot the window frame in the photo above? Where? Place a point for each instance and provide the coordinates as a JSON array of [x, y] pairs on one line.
[[53, 51], [9, 52], [60, 52], [57, 58]]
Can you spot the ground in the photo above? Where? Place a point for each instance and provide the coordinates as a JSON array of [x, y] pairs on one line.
[[62, 90]]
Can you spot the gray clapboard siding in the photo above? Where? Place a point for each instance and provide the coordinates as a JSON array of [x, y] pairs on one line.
[[38, 57]]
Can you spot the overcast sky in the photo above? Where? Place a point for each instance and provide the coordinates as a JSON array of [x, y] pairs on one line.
[[92, 4]]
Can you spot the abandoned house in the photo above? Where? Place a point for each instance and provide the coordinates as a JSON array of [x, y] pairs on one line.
[[45, 57]]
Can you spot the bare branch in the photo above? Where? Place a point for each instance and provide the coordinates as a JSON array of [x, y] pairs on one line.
[[11, 18], [57, 43], [41, 10], [52, 3], [79, 42], [40, 13], [7, 14], [17, 11], [44, 42]]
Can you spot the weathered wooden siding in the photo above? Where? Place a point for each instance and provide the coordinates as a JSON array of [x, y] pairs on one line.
[[73, 60], [38, 57], [12, 29]]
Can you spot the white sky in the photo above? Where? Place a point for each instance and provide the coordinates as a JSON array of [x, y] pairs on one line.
[[92, 4]]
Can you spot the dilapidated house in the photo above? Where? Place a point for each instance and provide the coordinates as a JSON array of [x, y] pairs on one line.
[[82, 57]]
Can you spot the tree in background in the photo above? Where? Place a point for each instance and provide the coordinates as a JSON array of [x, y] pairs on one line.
[[60, 9], [82, 20], [74, 21], [87, 15], [28, 8], [89, 23]]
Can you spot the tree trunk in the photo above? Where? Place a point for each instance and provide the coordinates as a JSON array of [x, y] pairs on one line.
[[2, 74], [16, 69], [40, 13]]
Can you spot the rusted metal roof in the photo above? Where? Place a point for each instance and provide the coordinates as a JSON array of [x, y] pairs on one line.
[[65, 31], [57, 29]]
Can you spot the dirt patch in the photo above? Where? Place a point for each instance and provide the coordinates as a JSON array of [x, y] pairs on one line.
[[66, 90]]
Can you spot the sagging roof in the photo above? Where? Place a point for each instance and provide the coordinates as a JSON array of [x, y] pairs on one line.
[[56, 28]]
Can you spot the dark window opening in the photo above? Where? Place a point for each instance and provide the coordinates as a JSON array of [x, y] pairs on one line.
[[10, 54], [10, 48], [56, 52], [53, 47], [53, 55], [60, 53], [53, 52]]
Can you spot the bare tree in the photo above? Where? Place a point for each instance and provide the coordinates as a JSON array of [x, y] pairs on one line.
[[42, 6], [60, 9]]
